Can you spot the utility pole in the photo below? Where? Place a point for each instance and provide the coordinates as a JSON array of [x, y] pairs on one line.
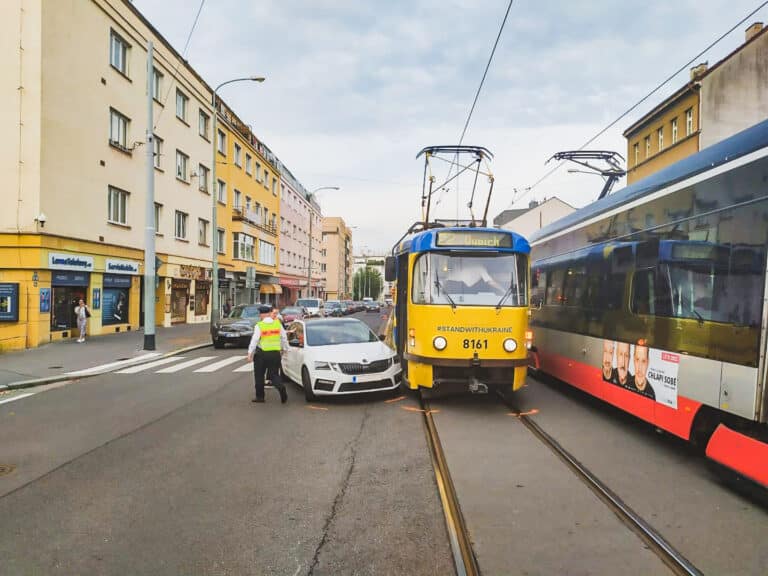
[[309, 264], [149, 230]]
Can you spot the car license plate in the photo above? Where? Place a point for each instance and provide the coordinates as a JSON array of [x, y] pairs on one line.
[[229, 335]]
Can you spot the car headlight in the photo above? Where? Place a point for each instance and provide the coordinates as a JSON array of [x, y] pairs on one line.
[[439, 342], [323, 366], [510, 345]]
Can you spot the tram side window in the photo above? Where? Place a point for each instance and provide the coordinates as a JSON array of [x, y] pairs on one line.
[[555, 286], [650, 294], [574, 291]]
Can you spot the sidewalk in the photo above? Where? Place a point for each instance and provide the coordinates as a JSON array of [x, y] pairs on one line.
[[58, 358]]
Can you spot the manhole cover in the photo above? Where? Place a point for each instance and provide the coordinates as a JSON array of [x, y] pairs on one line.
[[54, 367], [6, 469]]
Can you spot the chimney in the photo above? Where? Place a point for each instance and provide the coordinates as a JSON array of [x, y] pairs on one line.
[[698, 71], [532, 204], [753, 31]]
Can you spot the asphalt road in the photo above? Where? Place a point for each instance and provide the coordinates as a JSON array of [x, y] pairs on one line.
[[178, 472]]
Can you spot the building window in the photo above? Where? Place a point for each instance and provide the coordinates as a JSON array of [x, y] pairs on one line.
[[238, 199], [637, 153], [221, 241], [689, 122], [674, 130], [243, 246], [266, 179], [157, 84], [257, 172], [248, 203], [181, 226], [117, 206], [265, 218], [158, 213], [181, 105], [182, 166], [202, 177], [248, 164], [266, 253], [118, 53], [157, 142], [660, 135], [203, 124], [274, 186], [118, 129], [202, 232], [238, 155], [647, 146], [221, 191], [221, 143]]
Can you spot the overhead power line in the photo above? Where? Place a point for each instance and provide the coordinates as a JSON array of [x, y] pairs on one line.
[[643, 99], [178, 63]]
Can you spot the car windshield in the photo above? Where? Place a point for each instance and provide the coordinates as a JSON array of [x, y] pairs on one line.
[[333, 304], [498, 279], [308, 303], [291, 310], [244, 312], [343, 332]]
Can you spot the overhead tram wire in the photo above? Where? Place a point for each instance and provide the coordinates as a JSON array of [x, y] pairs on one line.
[[178, 63], [643, 99], [482, 82]]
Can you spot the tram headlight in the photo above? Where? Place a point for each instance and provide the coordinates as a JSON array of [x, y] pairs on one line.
[[439, 342], [510, 345]]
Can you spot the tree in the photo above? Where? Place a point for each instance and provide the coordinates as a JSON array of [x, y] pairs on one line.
[[367, 282]]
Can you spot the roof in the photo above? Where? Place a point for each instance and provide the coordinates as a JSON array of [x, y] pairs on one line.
[[741, 144], [508, 215]]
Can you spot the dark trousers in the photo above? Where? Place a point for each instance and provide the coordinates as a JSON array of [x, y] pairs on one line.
[[268, 362]]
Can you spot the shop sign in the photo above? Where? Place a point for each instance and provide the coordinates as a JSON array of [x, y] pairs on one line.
[[179, 284], [121, 266], [69, 279], [9, 302], [70, 262], [192, 272], [289, 282], [116, 281]]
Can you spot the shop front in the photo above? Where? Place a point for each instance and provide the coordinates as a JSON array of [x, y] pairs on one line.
[[179, 300], [67, 290], [292, 288], [270, 291]]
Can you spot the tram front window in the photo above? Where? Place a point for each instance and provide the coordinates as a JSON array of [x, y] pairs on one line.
[[471, 280]]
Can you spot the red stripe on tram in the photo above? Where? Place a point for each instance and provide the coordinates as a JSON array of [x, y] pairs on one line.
[[738, 452]]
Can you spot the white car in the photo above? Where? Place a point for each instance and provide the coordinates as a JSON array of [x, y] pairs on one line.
[[313, 306], [333, 356]]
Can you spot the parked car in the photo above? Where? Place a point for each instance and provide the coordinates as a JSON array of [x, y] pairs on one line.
[[292, 313], [335, 356], [237, 328], [313, 306], [350, 306], [372, 306], [334, 308]]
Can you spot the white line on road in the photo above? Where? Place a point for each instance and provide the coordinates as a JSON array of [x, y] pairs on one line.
[[150, 365], [244, 368], [19, 397], [112, 365], [220, 364], [186, 364]]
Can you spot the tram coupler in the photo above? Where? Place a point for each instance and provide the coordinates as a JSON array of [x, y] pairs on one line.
[[477, 387]]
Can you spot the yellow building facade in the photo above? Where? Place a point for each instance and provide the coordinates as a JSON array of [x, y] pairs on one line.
[[248, 194]]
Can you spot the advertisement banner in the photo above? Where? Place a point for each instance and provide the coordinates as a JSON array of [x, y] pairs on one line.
[[45, 300], [9, 302], [643, 370]]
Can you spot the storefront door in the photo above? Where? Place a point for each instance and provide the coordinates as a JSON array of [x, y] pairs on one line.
[[68, 289], [179, 301]]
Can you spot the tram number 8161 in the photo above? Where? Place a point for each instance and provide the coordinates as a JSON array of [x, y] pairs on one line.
[[475, 344]]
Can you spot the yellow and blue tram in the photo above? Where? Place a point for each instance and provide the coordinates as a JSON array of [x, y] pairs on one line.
[[461, 308], [654, 300]]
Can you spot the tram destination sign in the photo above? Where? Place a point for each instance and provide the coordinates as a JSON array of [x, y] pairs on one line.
[[474, 238]]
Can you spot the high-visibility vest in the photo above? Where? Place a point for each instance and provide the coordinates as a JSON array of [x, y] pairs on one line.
[[270, 336]]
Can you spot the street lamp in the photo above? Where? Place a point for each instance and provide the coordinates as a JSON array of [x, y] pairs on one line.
[[311, 196], [214, 193]]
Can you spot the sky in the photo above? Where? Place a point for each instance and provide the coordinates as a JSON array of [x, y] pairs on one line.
[[355, 89]]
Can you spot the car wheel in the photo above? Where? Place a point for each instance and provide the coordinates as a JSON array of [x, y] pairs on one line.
[[306, 383], [218, 343]]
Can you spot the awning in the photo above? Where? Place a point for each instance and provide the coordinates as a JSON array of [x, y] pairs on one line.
[[270, 289]]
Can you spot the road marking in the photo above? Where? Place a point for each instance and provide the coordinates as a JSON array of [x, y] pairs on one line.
[[186, 364], [150, 365], [316, 407], [412, 409], [112, 365], [519, 414], [220, 364], [19, 397], [394, 400], [244, 368]]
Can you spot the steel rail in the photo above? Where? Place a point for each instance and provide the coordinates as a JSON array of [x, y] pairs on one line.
[[674, 560], [458, 535]]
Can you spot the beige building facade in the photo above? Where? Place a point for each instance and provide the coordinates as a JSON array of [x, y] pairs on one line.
[[337, 247]]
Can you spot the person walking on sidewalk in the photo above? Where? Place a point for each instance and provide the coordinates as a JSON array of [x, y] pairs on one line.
[[265, 350], [83, 313]]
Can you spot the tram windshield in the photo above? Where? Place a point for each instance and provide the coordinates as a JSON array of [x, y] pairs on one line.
[[495, 279]]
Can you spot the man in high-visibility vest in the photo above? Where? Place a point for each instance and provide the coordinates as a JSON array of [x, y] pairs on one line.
[[265, 350]]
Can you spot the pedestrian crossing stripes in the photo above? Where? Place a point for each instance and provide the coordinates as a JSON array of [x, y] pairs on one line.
[[201, 365], [221, 364], [187, 364], [150, 365]]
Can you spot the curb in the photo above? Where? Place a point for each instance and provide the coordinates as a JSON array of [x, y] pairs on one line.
[[21, 384]]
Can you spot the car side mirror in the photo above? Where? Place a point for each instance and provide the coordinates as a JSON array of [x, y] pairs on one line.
[[390, 269], [295, 343]]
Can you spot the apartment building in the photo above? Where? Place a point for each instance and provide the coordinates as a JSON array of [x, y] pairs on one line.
[[300, 217], [74, 99], [247, 192], [337, 246]]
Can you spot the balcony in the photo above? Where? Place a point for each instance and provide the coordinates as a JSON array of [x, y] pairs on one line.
[[252, 218]]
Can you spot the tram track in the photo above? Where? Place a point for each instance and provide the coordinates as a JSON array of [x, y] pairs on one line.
[[671, 557]]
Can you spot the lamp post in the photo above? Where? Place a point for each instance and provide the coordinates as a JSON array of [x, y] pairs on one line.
[[214, 194], [309, 263]]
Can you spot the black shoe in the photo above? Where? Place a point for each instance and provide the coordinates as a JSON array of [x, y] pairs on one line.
[[283, 395], [260, 400]]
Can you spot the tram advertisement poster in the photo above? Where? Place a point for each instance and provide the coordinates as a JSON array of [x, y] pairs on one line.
[[643, 370]]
